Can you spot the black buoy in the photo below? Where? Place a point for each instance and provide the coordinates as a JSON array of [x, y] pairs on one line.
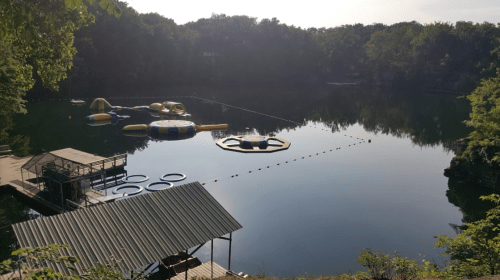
[[369, 140]]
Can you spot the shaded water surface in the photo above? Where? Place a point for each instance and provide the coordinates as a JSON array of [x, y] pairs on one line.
[[309, 209]]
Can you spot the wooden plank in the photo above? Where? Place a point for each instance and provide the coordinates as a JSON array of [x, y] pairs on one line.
[[5, 149], [203, 270]]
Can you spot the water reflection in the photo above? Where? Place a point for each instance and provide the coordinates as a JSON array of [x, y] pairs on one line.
[[373, 193], [467, 198], [12, 211], [428, 120]]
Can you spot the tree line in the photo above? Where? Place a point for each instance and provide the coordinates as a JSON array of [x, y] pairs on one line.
[[102, 51], [149, 50]]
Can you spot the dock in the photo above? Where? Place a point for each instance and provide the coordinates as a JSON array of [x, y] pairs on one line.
[[17, 174], [203, 271]]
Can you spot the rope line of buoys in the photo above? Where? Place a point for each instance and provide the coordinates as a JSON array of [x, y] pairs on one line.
[[255, 112], [268, 166], [138, 187], [126, 179], [164, 177], [248, 110], [149, 188]]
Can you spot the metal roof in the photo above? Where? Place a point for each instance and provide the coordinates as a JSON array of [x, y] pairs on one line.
[[68, 158], [137, 231]]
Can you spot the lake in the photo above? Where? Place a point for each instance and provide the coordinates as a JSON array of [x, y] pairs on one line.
[[307, 210]]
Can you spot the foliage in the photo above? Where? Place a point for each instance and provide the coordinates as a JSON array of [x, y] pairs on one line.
[[40, 260], [383, 266], [431, 269], [35, 36], [438, 56], [404, 268], [484, 141], [476, 251], [379, 264], [343, 46], [37, 263], [11, 212]]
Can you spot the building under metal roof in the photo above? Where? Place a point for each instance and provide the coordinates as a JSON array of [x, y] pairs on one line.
[[74, 160], [137, 231]]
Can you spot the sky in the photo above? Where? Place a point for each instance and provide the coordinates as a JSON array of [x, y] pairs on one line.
[[328, 13]]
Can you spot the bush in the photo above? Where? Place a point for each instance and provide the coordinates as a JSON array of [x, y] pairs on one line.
[[382, 266], [379, 265]]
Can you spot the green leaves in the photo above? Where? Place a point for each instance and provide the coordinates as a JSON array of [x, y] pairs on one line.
[[379, 264], [476, 251], [41, 257], [36, 35], [484, 141]]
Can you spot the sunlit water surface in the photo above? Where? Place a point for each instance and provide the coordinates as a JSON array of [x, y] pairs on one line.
[[307, 210]]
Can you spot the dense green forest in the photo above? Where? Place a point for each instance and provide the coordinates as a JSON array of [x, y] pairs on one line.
[[148, 50], [100, 51]]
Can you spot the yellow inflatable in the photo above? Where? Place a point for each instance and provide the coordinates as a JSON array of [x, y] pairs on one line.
[[168, 108], [170, 129], [102, 105]]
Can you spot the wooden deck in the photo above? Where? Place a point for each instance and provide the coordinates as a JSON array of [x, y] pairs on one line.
[[94, 161], [10, 169], [203, 270], [10, 175], [199, 272]]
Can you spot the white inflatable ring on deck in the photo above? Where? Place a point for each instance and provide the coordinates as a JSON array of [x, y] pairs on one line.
[[126, 179], [139, 189], [148, 187], [183, 176]]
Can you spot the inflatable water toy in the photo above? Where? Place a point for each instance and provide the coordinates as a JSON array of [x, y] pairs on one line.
[[105, 116], [77, 102], [127, 179], [167, 108], [253, 144], [102, 105], [148, 187], [183, 176], [138, 187], [169, 129]]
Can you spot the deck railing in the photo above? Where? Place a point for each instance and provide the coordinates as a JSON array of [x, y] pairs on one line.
[[113, 162]]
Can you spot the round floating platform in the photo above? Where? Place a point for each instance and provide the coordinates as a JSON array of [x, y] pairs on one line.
[[253, 144], [172, 129], [138, 187], [183, 176], [126, 179], [148, 187]]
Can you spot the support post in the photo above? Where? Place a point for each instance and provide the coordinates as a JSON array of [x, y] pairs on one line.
[[62, 198], [186, 275], [105, 189], [212, 259], [229, 260]]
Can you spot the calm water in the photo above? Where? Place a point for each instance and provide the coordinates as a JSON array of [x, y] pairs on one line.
[[308, 210]]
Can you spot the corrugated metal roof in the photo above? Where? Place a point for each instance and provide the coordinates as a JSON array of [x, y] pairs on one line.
[[77, 156], [68, 158], [138, 231]]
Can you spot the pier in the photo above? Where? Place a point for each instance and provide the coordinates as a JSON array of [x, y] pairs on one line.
[[63, 180]]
